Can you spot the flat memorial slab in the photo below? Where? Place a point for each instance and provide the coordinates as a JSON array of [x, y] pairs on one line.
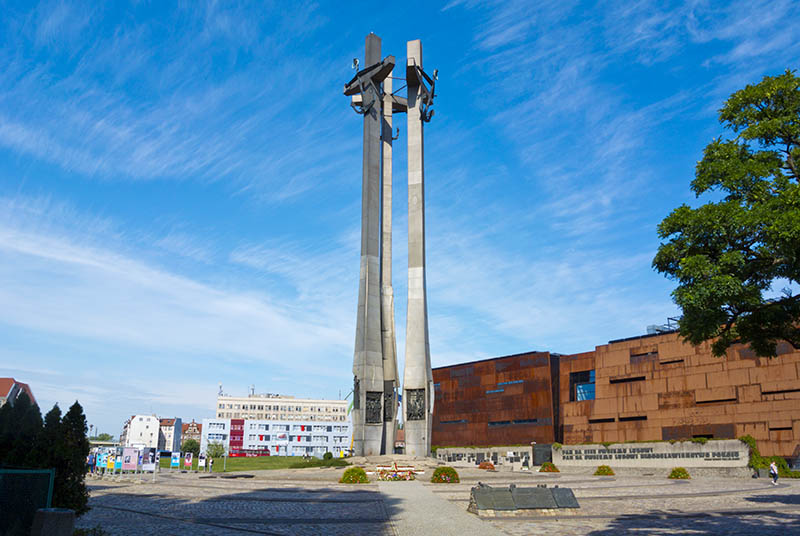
[[488, 498], [565, 498], [534, 498]]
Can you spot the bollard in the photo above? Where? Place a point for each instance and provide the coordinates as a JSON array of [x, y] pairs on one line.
[[53, 522]]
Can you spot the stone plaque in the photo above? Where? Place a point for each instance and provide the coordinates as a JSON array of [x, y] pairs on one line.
[[373, 409], [415, 404], [565, 498], [533, 498], [488, 498]]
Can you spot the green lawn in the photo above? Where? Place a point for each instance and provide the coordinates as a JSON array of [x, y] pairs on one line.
[[263, 462]]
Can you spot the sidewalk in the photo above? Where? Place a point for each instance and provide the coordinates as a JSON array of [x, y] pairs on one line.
[[416, 511]]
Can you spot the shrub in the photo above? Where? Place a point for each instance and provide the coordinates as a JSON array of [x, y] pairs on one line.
[[489, 466], [327, 456], [548, 467], [607, 444], [445, 475], [701, 440], [556, 446], [756, 460], [354, 475], [604, 470], [679, 473]]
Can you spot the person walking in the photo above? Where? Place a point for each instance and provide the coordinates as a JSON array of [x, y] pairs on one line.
[[773, 471]]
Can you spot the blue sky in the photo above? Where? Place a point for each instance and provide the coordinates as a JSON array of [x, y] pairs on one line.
[[180, 185]]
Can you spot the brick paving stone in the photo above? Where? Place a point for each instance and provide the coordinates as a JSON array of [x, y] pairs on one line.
[[308, 504]]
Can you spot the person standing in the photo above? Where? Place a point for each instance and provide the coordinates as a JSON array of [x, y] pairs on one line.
[[210, 464], [773, 471]]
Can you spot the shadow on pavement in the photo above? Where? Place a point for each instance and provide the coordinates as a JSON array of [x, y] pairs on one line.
[[763, 523], [266, 511]]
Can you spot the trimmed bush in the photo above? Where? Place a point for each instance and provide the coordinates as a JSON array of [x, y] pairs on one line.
[[549, 467], [679, 473], [556, 446], [354, 475], [489, 466], [327, 456], [604, 470], [445, 475]]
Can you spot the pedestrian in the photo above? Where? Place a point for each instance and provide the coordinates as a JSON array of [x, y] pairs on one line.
[[773, 471], [210, 465]]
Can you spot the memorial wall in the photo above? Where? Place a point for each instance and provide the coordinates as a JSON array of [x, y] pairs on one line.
[[724, 453]]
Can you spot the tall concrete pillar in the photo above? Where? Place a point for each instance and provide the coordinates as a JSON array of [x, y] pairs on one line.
[[368, 373], [417, 376], [387, 294]]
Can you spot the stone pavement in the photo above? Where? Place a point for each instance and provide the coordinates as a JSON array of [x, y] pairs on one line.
[[305, 502], [417, 511]]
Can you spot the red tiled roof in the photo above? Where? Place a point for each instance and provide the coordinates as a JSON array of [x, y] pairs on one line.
[[5, 386], [167, 422], [187, 424]]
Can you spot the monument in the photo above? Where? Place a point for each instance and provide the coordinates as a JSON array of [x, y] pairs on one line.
[[375, 376]]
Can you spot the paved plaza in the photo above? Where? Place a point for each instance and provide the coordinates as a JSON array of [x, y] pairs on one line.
[[310, 501]]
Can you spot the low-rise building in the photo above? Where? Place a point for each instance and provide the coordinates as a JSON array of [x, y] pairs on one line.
[[141, 431], [170, 434], [242, 437], [192, 430], [10, 389]]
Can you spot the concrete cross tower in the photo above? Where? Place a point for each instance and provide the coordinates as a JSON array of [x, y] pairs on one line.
[[387, 293], [417, 377], [368, 361]]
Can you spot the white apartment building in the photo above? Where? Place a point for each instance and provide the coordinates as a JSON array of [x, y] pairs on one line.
[[271, 407], [170, 438], [141, 431], [279, 437]]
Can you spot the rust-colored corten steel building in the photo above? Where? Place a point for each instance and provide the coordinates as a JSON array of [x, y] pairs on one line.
[[652, 387], [501, 401]]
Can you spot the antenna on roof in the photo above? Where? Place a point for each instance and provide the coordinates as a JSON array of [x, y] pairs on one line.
[[220, 389], [252, 389]]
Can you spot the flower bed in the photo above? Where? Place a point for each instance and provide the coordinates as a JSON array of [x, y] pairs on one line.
[[548, 467], [354, 475], [489, 466], [445, 475]]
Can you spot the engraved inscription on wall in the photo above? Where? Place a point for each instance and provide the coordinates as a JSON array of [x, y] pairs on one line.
[[374, 407], [415, 404]]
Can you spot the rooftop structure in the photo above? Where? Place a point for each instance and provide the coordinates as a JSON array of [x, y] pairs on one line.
[[10, 389]]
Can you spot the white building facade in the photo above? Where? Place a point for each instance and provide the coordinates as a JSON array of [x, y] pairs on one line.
[[170, 434], [242, 437], [141, 431], [273, 407]]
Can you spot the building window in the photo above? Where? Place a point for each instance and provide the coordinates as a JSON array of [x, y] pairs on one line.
[[581, 385]]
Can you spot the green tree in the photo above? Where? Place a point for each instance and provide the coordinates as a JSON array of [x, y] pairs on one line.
[[70, 455], [191, 445], [20, 427], [103, 437], [728, 253], [215, 449]]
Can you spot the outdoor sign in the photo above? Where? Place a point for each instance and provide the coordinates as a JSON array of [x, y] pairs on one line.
[[187, 460], [149, 461], [175, 461], [129, 458], [201, 461], [118, 462]]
